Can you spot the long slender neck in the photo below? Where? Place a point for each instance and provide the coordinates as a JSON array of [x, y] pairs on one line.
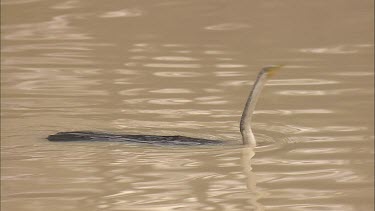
[[245, 125]]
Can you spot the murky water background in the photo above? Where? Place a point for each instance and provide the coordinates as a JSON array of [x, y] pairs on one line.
[[185, 67]]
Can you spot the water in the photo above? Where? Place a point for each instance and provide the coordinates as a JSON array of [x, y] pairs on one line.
[[185, 68]]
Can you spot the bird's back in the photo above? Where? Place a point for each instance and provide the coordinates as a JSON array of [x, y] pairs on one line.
[[146, 139]]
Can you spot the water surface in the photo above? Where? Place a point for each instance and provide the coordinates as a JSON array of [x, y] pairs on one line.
[[185, 68]]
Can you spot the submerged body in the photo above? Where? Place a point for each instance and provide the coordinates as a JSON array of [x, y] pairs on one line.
[[144, 139], [245, 125]]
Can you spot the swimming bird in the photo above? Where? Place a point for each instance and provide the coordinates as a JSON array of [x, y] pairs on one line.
[[245, 124]]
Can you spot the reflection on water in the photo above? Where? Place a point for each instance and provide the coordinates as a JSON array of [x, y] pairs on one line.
[[162, 65], [178, 74], [184, 68], [341, 49], [174, 58], [122, 13], [301, 81], [227, 26], [318, 92], [56, 29]]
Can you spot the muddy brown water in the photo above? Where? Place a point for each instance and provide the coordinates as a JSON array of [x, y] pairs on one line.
[[184, 68]]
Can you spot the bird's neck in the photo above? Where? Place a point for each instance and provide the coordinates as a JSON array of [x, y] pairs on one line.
[[245, 125]]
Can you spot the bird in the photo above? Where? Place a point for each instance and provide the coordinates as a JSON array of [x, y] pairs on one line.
[[248, 137]]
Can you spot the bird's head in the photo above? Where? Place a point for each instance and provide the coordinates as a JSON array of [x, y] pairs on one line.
[[271, 70]]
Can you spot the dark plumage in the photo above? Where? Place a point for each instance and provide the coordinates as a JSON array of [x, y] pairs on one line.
[[147, 139]]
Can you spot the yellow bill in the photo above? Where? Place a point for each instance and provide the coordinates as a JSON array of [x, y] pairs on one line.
[[272, 70]]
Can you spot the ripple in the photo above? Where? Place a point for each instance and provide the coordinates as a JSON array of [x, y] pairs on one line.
[[343, 128], [313, 175], [208, 98], [45, 60], [181, 112], [217, 102], [170, 101], [228, 73], [224, 59], [76, 194], [212, 90], [287, 129], [131, 64], [298, 129], [132, 92], [127, 72], [365, 45], [76, 87], [174, 45], [30, 73], [304, 207], [30, 104], [66, 54], [230, 65], [123, 13], [10, 2], [56, 29], [174, 58], [234, 83], [212, 100], [359, 73], [135, 50], [46, 46], [305, 163], [141, 44], [295, 111], [138, 57], [317, 92], [178, 74], [66, 5], [332, 50], [135, 101], [127, 123], [301, 81], [168, 65], [227, 27], [326, 139], [172, 91], [214, 52], [175, 127], [267, 143], [325, 150], [183, 51]]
